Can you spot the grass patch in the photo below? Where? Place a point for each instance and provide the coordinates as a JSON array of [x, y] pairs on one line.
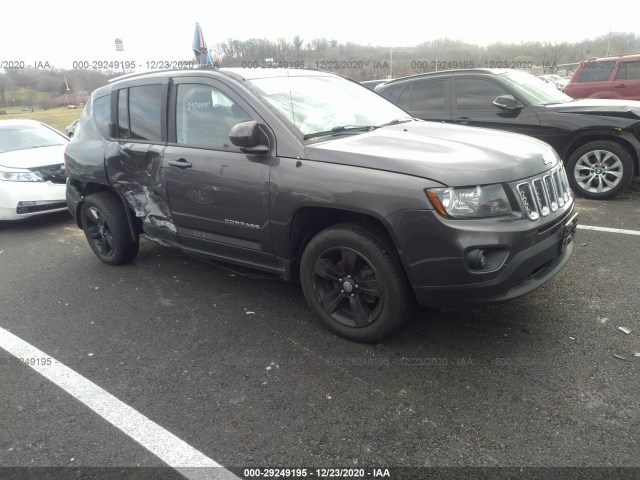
[[57, 118]]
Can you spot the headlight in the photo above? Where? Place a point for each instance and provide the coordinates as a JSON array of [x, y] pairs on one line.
[[20, 176], [470, 202]]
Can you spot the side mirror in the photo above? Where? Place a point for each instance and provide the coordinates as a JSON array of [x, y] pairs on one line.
[[506, 102], [246, 135]]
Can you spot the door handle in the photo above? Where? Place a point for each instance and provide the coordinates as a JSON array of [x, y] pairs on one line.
[[621, 85], [180, 163], [136, 148]]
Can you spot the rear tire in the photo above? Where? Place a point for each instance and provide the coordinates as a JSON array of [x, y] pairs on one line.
[[354, 283], [600, 170], [105, 225]]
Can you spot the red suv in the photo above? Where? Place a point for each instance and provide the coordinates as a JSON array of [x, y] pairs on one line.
[[613, 77]]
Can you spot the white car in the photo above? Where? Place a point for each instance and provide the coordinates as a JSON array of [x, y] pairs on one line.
[[555, 80], [32, 175], [71, 128]]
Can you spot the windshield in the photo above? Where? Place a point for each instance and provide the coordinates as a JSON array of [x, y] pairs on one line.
[[22, 137], [314, 105], [534, 90]]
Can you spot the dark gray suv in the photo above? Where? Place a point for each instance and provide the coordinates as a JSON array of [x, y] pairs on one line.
[[317, 179]]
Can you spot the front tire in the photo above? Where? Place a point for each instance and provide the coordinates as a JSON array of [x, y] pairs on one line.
[[105, 225], [600, 170], [354, 283]]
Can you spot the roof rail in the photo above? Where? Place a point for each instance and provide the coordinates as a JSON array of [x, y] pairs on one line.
[[138, 74]]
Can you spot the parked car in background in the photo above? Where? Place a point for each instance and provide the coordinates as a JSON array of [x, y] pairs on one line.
[[599, 140], [32, 175], [372, 84], [612, 77], [71, 128], [555, 80], [309, 176]]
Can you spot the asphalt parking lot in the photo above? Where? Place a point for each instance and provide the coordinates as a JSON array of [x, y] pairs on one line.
[[232, 366]]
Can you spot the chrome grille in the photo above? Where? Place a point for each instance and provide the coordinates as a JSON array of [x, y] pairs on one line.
[[551, 191], [545, 194]]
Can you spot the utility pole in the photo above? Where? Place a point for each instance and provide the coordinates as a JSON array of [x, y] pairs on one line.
[[391, 63], [66, 93]]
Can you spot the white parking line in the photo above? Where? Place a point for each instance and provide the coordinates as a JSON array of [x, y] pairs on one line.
[[190, 462], [610, 230]]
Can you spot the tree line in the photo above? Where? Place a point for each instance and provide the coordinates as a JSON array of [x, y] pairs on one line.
[[368, 62], [39, 87]]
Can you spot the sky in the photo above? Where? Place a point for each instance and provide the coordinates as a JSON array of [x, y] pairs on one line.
[[39, 31]]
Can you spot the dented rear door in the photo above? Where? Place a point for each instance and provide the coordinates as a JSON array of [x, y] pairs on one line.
[[133, 160]]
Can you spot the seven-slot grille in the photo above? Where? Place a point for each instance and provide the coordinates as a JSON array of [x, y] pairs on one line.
[[545, 194]]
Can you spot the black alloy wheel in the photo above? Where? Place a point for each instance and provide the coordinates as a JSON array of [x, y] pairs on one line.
[[348, 287], [106, 227], [354, 282]]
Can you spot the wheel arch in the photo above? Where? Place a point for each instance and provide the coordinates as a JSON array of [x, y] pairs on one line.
[[624, 139], [91, 188], [308, 221]]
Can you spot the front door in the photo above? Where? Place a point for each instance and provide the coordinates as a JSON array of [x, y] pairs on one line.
[[218, 195], [473, 105]]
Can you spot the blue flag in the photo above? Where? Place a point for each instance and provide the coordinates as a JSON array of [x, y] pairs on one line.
[[200, 48]]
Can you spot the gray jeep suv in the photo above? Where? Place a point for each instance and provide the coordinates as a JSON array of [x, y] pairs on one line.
[[317, 179]]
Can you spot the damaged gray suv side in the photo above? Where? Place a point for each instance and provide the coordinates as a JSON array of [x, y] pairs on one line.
[[317, 179]]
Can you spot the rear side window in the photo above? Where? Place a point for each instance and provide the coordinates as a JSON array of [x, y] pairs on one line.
[[123, 114], [102, 114], [392, 94], [145, 112], [596, 71], [428, 96], [140, 113], [629, 71], [404, 101]]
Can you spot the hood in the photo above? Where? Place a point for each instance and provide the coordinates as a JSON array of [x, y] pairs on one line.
[[33, 157], [597, 106], [450, 154]]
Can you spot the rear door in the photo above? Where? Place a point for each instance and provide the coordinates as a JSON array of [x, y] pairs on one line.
[[425, 99], [594, 81], [430, 100], [219, 196], [627, 80], [133, 158]]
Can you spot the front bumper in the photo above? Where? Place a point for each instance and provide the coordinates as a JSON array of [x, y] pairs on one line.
[[27, 199], [525, 256]]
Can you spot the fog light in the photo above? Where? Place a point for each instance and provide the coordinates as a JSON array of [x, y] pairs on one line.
[[476, 259]]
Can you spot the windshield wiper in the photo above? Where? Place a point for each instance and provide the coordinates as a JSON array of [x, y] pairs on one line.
[[345, 129], [396, 121], [340, 130], [555, 103]]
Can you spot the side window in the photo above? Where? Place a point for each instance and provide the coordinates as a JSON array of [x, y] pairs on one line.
[[204, 117], [404, 101], [145, 112], [102, 114], [629, 71], [392, 94], [123, 114], [428, 96], [596, 71], [477, 94]]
